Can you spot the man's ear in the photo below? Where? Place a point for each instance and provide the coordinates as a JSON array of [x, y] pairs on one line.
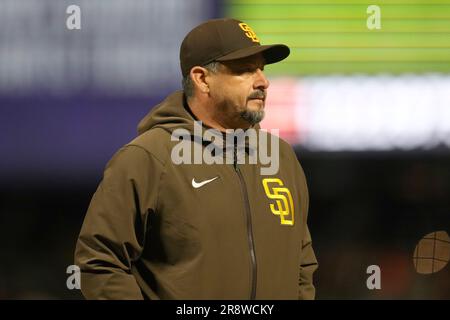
[[198, 76]]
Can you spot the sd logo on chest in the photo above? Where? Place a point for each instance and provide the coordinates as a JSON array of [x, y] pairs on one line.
[[282, 204]]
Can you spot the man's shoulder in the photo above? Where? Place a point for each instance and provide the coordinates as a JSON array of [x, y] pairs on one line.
[[155, 141], [285, 147]]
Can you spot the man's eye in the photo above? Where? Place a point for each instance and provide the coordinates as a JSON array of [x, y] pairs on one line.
[[241, 70], [250, 69], [247, 69]]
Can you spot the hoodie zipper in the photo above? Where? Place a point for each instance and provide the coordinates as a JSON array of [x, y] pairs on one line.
[[251, 242]]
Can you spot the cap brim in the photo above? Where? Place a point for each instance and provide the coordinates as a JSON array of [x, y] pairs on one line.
[[272, 53]]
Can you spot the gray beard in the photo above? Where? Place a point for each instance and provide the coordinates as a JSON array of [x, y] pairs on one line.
[[252, 117]]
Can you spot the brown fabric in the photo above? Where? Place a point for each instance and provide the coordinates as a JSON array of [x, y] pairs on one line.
[[222, 40], [149, 234]]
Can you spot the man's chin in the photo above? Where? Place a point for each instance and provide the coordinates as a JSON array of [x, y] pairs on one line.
[[253, 117]]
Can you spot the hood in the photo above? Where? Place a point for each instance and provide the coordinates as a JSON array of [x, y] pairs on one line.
[[174, 113], [170, 114]]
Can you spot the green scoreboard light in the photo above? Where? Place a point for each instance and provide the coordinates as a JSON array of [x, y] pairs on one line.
[[334, 36]]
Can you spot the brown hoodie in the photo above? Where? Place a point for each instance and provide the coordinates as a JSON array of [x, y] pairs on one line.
[[156, 230]]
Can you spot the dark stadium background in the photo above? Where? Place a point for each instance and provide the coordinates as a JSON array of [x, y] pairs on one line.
[[367, 207]]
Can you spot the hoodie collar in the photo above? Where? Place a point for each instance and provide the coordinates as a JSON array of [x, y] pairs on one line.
[[172, 113]]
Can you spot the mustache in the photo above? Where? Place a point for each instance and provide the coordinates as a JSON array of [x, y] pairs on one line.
[[259, 94]]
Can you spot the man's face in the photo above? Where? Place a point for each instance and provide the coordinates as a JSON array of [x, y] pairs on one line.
[[239, 90]]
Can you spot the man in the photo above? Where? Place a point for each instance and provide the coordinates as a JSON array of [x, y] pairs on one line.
[[158, 229]]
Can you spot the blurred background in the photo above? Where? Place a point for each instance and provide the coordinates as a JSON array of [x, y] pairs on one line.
[[364, 102]]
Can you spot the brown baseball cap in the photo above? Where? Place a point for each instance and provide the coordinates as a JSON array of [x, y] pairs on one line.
[[223, 40]]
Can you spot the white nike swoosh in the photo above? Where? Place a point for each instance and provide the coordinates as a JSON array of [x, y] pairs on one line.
[[201, 184]]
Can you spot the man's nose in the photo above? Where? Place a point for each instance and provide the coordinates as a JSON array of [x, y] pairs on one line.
[[261, 81]]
